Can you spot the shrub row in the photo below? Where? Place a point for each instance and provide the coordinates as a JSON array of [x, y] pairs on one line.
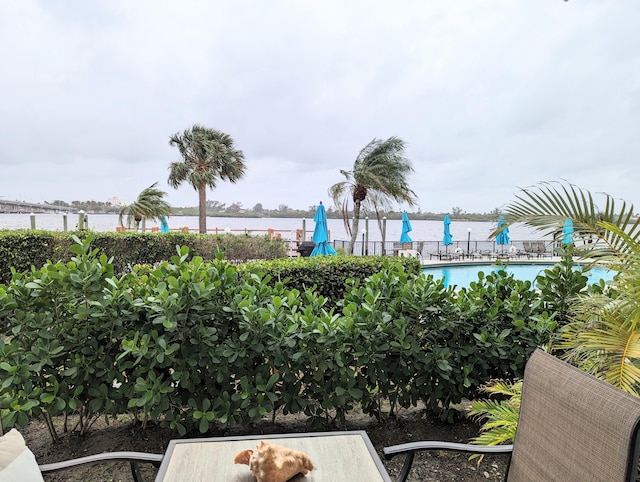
[[187, 343], [22, 249], [326, 275]]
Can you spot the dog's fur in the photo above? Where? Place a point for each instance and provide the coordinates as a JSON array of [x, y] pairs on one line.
[[274, 463]]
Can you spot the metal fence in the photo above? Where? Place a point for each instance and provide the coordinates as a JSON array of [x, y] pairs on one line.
[[428, 249]]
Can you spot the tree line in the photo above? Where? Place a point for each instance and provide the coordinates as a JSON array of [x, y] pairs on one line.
[[237, 209]]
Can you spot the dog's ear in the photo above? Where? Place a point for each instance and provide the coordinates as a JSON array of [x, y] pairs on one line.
[[243, 457], [305, 463], [263, 446]]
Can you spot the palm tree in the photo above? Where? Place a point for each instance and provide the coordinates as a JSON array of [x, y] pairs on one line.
[[150, 204], [603, 335], [207, 155], [378, 177]]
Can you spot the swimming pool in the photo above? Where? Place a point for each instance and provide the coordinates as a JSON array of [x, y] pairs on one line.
[[462, 275]]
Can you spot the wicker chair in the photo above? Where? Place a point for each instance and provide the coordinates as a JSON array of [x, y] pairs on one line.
[[572, 426], [134, 459]]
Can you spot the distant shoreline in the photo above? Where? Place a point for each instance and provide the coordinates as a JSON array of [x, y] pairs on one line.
[[93, 207]]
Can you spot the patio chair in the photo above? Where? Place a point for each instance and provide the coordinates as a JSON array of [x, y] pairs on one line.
[[572, 426], [541, 249], [17, 459], [409, 253]]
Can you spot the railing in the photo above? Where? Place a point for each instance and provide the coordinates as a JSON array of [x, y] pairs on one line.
[[18, 207], [428, 249]]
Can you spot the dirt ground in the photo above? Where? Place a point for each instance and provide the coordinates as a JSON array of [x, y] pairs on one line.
[[410, 425]]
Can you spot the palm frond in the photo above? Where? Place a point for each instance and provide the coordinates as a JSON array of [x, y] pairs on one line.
[[503, 387], [547, 205], [499, 417]]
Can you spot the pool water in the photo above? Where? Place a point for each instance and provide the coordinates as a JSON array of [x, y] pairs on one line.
[[463, 275]]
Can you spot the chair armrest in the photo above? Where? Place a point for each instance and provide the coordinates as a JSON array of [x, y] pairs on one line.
[[132, 457], [409, 449]]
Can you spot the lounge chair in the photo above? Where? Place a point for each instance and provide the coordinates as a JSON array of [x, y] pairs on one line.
[[19, 460], [540, 248], [572, 426], [409, 253]]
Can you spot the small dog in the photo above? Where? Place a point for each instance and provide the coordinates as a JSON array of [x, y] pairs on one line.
[[274, 463]]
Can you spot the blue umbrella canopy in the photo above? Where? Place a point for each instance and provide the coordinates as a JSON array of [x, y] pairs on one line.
[[164, 225], [321, 234], [406, 227], [567, 232], [447, 239], [503, 236]]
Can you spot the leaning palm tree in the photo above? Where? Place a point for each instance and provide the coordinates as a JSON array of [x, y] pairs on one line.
[[150, 204], [379, 176], [207, 156], [603, 336]]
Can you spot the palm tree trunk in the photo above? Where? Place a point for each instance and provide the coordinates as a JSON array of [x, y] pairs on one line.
[[354, 228], [202, 209]]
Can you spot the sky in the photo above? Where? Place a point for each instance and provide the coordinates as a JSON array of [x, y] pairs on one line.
[[489, 96]]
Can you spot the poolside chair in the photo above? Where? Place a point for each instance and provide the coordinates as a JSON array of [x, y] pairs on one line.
[[540, 248], [17, 460], [572, 426], [409, 253]]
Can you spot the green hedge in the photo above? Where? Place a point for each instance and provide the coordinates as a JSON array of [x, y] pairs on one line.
[[327, 275], [23, 249], [188, 343]]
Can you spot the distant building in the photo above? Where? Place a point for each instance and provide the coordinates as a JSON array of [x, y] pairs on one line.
[[117, 202]]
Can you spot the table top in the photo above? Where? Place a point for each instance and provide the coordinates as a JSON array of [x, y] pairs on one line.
[[336, 456]]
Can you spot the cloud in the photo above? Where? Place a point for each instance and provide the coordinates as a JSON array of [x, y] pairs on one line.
[[488, 97]]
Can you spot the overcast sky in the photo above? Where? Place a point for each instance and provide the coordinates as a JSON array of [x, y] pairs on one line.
[[490, 96]]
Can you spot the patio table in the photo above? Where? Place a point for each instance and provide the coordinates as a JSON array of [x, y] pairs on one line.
[[336, 456]]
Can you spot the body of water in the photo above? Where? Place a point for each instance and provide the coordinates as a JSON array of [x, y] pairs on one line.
[[462, 275], [422, 230]]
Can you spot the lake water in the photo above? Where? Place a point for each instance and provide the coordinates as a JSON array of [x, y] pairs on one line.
[[422, 230]]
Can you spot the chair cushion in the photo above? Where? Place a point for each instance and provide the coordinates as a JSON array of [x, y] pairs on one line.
[[17, 462]]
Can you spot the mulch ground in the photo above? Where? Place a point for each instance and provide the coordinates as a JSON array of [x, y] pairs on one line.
[[409, 425]]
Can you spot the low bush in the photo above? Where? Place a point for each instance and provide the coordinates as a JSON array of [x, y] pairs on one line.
[[187, 343], [22, 249], [327, 275]]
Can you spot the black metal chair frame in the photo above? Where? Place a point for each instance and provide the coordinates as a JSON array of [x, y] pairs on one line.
[[134, 459], [573, 405]]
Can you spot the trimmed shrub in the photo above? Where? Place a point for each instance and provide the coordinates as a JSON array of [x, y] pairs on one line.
[[23, 249], [187, 343]]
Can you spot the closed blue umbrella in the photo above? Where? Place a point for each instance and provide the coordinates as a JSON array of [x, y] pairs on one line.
[[164, 225], [567, 232], [503, 237], [447, 239], [406, 227], [321, 234]]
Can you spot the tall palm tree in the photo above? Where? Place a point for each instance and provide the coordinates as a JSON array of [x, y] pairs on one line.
[[603, 336], [207, 156], [379, 176], [150, 204]]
